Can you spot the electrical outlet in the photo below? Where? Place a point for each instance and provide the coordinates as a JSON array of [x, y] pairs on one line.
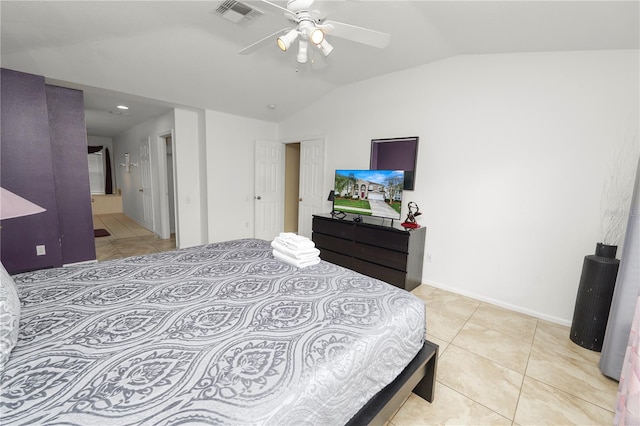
[[41, 250]]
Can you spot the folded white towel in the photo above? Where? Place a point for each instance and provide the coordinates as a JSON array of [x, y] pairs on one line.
[[301, 243], [302, 254], [292, 236], [295, 262]]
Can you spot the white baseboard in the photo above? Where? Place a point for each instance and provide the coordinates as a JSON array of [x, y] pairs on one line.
[[501, 304], [84, 262]]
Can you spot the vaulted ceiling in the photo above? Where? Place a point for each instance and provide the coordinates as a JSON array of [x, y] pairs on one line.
[[154, 55]]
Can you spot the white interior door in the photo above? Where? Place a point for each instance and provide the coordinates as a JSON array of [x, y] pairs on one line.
[[269, 189], [145, 185], [312, 192]]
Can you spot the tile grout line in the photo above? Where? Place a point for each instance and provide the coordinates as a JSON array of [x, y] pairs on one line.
[[524, 375]]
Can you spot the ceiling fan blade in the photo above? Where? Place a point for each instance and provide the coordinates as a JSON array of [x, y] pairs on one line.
[[273, 8], [358, 34], [258, 44]]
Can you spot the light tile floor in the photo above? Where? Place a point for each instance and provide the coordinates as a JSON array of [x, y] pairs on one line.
[[495, 366], [127, 238], [500, 367]]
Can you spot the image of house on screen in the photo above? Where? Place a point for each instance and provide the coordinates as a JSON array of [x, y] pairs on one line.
[[365, 189], [369, 192], [369, 184]]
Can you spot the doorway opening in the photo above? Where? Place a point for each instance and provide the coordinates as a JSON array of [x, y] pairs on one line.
[[170, 183], [291, 186], [168, 217]]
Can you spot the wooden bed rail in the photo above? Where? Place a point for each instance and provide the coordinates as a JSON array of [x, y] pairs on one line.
[[418, 377]]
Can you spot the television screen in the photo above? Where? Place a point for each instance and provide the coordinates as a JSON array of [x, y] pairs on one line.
[[369, 192]]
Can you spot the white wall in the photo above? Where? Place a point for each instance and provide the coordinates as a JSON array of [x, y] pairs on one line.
[[511, 162], [230, 173], [190, 178]]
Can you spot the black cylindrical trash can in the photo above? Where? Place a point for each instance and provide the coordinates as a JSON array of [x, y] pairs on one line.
[[593, 302]]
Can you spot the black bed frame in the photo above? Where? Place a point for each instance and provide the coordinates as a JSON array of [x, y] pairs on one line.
[[418, 377]]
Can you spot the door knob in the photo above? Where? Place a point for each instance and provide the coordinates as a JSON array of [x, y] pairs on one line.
[[300, 199], [258, 197], [141, 190]]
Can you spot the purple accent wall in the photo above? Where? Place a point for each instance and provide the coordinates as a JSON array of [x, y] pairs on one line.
[[27, 170], [68, 135], [33, 160]]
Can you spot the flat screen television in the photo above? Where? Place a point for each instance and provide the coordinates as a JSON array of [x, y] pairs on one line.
[[369, 192]]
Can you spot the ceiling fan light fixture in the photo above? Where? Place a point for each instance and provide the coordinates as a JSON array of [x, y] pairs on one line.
[[284, 42], [316, 35], [302, 52], [325, 48]]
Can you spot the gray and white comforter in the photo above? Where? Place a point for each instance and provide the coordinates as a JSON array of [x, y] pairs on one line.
[[218, 334]]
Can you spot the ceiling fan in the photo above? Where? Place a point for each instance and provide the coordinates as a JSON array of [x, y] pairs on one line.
[[310, 31]]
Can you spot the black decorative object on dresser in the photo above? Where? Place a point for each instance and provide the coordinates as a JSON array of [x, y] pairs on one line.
[[388, 253]]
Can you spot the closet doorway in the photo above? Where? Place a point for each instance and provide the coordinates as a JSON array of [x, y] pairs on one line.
[[166, 185], [170, 184], [291, 186]]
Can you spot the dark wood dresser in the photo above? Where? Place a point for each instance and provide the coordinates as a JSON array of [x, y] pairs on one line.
[[388, 253]]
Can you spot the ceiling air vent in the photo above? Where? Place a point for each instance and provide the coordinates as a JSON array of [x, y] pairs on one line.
[[237, 12]]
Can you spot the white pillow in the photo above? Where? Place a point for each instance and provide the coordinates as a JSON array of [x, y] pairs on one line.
[[9, 315]]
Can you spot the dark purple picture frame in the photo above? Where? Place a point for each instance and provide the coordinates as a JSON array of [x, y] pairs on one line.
[[396, 154]]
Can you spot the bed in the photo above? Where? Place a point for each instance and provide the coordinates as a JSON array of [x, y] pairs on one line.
[[217, 334]]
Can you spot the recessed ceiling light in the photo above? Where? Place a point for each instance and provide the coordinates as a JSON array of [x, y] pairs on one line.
[[122, 107], [272, 106]]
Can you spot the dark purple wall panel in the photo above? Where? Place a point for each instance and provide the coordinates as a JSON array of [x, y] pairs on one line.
[[396, 154], [27, 170], [68, 136]]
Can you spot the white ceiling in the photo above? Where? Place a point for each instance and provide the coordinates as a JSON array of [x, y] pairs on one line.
[[178, 53]]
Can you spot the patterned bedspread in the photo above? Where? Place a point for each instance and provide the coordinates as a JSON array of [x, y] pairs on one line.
[[217, 334]]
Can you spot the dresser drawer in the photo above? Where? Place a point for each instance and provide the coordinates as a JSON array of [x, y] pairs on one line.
[[334, 227], [391, 276], [337, 258], [381, 256], [339, 245], [392, 240]]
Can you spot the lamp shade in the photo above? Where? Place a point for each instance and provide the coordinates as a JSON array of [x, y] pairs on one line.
[[12, 205]]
